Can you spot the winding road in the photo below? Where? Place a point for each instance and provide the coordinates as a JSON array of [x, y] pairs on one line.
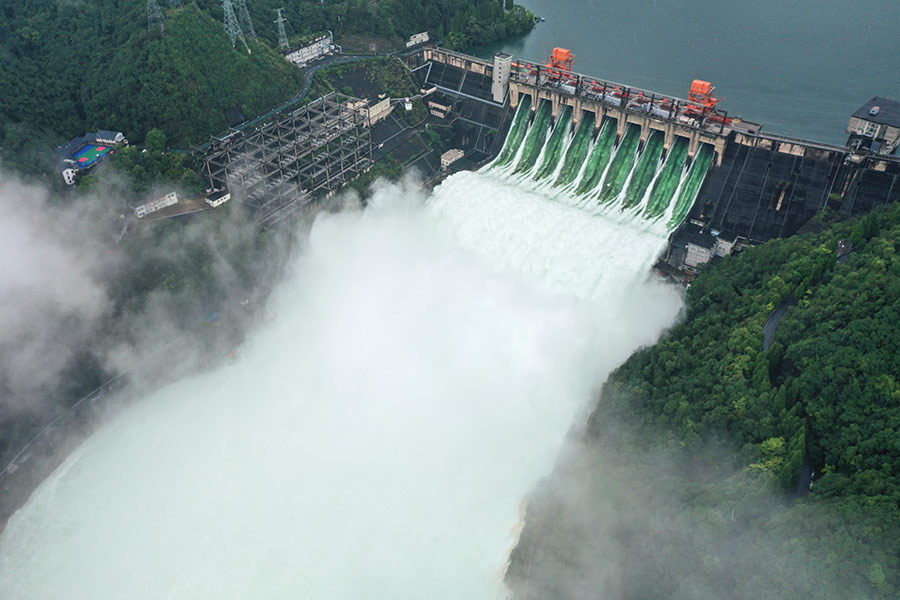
[[773, 321]]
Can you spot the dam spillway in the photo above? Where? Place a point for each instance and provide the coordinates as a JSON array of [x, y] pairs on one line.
[[757, 186], [596, 169]]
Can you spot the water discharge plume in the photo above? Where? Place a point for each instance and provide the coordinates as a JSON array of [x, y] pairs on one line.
[[516, 132], [554, 146], [599, 158], [691, 186], [667, 183], [577, 151], [621, 165], [645, 170], [534, 141], [424, 361]]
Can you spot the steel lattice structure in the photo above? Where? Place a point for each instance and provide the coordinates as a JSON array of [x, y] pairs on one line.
[[155, 20], [282, 34], [244, 19], [283, 157], [232, 28]]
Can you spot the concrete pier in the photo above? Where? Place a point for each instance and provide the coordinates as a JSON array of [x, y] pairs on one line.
[[692, 129]]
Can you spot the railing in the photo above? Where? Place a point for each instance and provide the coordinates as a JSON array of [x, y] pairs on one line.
[[631, 99]]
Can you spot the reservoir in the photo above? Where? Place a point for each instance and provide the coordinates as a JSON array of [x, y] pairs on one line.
[[800, 68]]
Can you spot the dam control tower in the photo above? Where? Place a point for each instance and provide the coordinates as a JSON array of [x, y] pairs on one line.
[[500, 81]]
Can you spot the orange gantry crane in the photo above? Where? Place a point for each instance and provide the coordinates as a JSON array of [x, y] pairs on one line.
[[700, 99], [560, 63]]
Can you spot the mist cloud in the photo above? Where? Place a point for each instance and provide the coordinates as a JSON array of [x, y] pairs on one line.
[[51, 290], [420, 368]]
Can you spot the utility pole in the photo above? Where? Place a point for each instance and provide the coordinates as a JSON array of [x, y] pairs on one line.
[[282, 35], [244, 19], [155, 18], [231, 24]]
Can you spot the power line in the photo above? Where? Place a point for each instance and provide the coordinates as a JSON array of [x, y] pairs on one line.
[[244, 19], [155, 18], [232, 28], [282, 35]]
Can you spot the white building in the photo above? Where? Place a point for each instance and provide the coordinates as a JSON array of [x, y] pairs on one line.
[[319, 47], [700, 249], [418, 38], [500, 82], [110, 138], [439, 110], [218, 198], [155, 205], [379, 111], [451, 156]]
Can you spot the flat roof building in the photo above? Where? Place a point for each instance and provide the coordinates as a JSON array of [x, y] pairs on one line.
[[155, 205], [876, 125], [218, 198], [451, 156], [313, 50], [417, 38]]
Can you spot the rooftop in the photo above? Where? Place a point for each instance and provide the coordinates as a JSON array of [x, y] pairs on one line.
[[694, 234], [888, 111]]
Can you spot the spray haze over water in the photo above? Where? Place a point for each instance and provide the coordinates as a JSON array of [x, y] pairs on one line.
[[424, 361]]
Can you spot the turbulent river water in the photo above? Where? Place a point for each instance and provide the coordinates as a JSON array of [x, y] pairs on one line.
[[424, 361]]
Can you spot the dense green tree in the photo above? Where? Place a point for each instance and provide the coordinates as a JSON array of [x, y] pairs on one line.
[[69, 68]]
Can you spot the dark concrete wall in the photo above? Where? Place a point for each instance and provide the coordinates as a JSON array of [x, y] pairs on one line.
[[761, 193]]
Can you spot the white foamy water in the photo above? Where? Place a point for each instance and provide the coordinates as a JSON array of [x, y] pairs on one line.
[[376, 439]]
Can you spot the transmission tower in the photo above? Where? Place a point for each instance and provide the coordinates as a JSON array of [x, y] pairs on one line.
[[155, 19], [174, 3], [231, 24], [282, 35], [244, 19]]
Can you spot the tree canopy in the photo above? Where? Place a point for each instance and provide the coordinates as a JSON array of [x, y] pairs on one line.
[[692, 481], [71, 67]]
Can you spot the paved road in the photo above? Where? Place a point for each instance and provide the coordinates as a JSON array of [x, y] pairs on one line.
[[773, 321]]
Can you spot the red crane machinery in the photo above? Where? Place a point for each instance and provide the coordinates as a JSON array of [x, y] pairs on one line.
[[700, 99], [560, 63]]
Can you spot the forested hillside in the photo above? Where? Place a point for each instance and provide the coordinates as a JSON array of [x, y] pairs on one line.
[[695, 469], [71, 66]]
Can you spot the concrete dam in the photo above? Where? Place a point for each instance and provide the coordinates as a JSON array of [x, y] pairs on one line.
[[707, 173]]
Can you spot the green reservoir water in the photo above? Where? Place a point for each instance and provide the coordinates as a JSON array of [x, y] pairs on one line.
[[537, 135], [800, 67], [621, 165], [555, 143], [599, 157], [645, 170], [577, 151]]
